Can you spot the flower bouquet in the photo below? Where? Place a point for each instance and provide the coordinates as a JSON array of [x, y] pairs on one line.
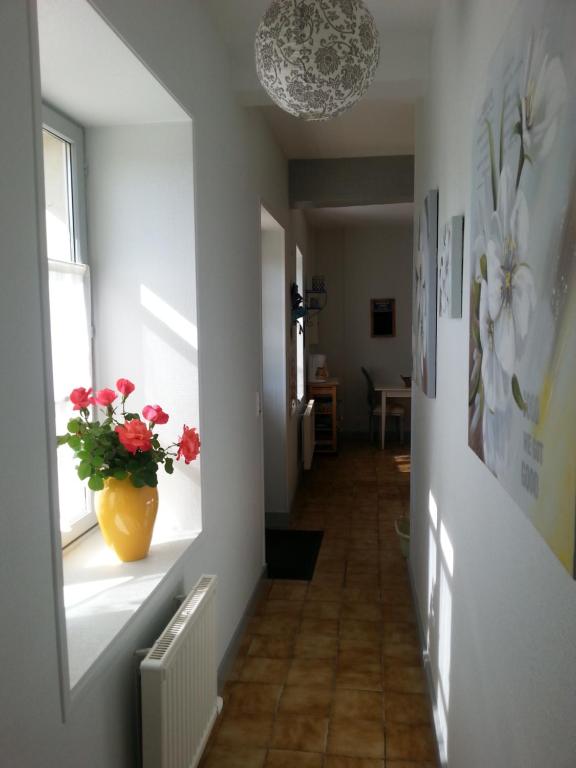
[[119, 454]]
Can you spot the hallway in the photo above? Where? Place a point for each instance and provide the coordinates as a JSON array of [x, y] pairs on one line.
[[329, 673]]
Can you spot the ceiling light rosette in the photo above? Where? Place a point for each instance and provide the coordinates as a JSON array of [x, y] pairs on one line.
[[316, 58]]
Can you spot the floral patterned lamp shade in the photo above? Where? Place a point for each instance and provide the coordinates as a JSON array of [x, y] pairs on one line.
[[316, 58]]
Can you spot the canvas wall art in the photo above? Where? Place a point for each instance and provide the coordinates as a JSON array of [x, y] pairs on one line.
[[522, 363], [425, 298], [450, 268]]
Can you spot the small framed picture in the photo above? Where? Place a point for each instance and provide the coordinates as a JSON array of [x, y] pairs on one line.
[[382, 318], [450, 268]]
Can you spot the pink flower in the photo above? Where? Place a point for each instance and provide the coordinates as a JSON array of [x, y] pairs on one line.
[[134, 436], [189, 445], [155, 414], [105, 396], [125, 387], [81, 398]]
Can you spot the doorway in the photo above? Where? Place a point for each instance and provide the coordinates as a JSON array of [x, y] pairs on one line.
[[274, 381]]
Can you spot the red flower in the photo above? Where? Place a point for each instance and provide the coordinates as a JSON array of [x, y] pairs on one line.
[[125, 387], [155, 414], [105, 397], [134, 436], [81, 398], [189, 445]]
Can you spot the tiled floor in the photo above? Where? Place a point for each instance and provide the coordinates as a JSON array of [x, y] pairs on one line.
[[329, 673]]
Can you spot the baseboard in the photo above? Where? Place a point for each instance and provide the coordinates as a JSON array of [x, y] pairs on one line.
[[440, 746], [233, 646]]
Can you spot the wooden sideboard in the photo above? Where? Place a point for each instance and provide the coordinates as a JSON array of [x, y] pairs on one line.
[[325, 396]]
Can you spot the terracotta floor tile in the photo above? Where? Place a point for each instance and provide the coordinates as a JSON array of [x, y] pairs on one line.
[[410, 742], [396, 654], [409, 764], [302, 734], [271, 647], [361, 630], [283, 607], [361, 705], [407, 708], [316, 646], [244, 731], [333, 761], [319, 626], [283, 626], [311, 672], [300, 700], [360, 595], [252, 698], [281, 758], [220, 757], [361, 644], [362, 611], [366, 681], [321, 610], [328, 580], [404, 679], [356, 738], [327, 593], [288, 590], [403, 614], [236, 670], [258, 670], [395, 632], [360, 661]]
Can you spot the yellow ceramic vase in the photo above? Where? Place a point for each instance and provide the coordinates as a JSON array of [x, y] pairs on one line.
[[126, 516]]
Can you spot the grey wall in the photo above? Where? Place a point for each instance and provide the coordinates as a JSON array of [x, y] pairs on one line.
[[274, 393], [502, 626], [236, 164], [360, 264]]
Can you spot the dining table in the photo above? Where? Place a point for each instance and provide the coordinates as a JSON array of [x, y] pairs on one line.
[[387, 391]]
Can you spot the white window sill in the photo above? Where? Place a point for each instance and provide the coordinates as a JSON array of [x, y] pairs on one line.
[[102, 594]]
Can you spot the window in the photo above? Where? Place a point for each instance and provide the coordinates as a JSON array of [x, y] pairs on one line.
[[70, 305], [300, 330]]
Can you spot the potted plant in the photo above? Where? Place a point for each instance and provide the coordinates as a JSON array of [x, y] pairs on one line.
[[119, 455]]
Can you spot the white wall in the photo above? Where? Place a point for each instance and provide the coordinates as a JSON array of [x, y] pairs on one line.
[[140, 200], [359, 264], [502, 633], [237, 163], [274, 392]]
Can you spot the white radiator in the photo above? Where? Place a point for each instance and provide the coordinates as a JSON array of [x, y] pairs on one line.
[[179, 684], [308, 441]]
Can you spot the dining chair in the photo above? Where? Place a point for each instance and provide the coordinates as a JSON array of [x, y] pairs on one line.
[[393, 409]]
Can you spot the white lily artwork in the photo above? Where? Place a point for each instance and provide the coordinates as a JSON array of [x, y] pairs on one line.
[[424, 298], [450, 269], [522, 374]]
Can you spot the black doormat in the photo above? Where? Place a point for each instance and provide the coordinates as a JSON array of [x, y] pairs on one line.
[[292, 554]]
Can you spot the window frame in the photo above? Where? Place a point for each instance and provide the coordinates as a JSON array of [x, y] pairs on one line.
[[301, 336], [73, 134]]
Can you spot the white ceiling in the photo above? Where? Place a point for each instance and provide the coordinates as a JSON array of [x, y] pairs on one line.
[[383, 123], [91, 75], [360, 216]]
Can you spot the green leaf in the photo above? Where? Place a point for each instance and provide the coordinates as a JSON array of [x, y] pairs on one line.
[[120, 474], [73, 425], [484, 266], [517, 392], [501, 147], [96, 483], [75, 442], [169, 466], [84, 470], [138, 481], [476, 336], [62, 439], [474, 386], [493, 167], [98, 459]]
